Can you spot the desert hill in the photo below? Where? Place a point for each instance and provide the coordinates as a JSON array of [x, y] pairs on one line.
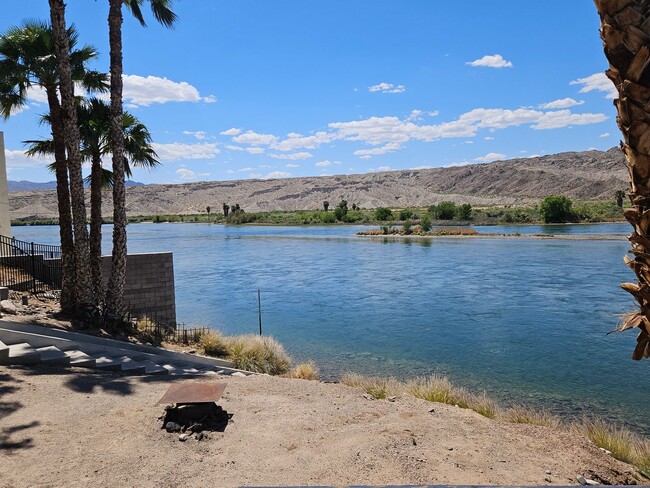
[[589, 174]]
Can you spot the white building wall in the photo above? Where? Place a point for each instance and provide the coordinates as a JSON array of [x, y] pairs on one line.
[[5, 219]]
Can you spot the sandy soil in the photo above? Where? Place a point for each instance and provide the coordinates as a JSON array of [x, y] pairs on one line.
[[72, 427]]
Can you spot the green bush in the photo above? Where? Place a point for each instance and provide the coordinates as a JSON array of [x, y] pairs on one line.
[[383, 213], [464, 212], [339, 213], [444, 210], [327, 218], [556, 209], [407, 214], [425, 223], [407, 227]]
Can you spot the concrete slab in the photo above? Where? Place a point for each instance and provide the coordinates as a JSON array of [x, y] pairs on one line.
[[80, 359], [153, 368], [22, 354], [53, 355], [128, 365], [4, 351]]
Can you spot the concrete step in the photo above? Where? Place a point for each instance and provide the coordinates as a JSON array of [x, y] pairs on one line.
[[128, 365], [80, 359], [105, 362], [22, 354], [4, 351], [53, 355], [179, 370], [152, 368]]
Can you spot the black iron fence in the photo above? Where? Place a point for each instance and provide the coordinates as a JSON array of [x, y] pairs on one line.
[[26, 266], [177, 333]]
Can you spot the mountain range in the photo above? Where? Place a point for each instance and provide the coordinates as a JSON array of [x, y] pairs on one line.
[[578, 175]]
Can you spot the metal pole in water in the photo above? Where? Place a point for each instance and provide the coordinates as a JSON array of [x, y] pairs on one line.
[[259, 309]]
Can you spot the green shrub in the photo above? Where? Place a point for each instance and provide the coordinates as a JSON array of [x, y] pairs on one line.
[[407, 214], [444, 210], [556, 209], [407, 227], [425, 223], [464, 212], [383, 213], [327, 218]]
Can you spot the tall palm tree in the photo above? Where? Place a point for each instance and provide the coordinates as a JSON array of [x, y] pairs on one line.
[[28, 60], [162, 12], [93, 116], [625, 31]]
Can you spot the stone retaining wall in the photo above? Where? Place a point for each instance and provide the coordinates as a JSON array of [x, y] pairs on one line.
[[149, 288]]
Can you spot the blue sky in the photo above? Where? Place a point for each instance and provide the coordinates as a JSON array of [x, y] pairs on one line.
[[263, 89]]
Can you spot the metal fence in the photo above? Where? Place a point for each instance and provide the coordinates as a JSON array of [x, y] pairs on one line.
[[26, 266], [177, 333]]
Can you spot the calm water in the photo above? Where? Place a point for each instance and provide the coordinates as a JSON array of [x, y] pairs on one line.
[[525, 320]]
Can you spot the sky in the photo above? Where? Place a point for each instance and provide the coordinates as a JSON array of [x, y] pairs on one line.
[[272, 89]]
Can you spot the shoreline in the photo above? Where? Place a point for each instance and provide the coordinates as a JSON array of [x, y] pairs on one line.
[[549, 237]]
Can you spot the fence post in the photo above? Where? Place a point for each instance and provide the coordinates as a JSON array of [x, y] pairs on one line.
[[33, 269]]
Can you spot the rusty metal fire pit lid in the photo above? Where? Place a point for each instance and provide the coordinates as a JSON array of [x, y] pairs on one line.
[[193, 393]]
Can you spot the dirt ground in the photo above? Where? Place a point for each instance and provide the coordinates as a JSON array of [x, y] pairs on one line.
[[74, 427]]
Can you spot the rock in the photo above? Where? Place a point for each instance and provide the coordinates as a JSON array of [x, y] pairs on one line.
[[201, 436], [548, 471], [368, 396], [586, 481], [8, 306], [391, 399], [547, 479], [432, 410], [238, 374], [183, 437], [172, 427], [450, 448], [605, 450]]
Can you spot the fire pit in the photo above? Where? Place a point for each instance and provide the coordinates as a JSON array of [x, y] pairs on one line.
[[192, 409]]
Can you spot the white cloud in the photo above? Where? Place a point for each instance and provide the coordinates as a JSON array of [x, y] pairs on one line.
[[231, 132], [564, 118], [188, 174], [144, 91], [292, 156], [597, 82], [296, 141], [381, 168], [604, 134], [234, 148], [495, 61], [199, 134], [291, 165], [177, 150], [17, 159], [488, 138], [490, 157], [387, 88], [421, 167], [229, 171], [254, 139], [245, 170], [36, 94], [255, 150], [368, 153], [323, 164], [562, 103], [384, 130], [210, 99]]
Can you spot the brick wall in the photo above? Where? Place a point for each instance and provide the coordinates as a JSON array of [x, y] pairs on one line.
[[149, 288]]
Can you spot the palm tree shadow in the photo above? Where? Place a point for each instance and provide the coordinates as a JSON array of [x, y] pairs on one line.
[[10, 385]]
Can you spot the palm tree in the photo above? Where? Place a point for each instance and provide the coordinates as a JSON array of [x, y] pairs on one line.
[[162, 12], [625, 32], [620, 195], [27, 60], [93, 116]]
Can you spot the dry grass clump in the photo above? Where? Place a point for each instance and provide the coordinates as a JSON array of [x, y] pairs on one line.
[[375, 386], [522, 415], [214, 344], [439, 389], [305, 371], [260, 354], [624, 445], [454, 231]]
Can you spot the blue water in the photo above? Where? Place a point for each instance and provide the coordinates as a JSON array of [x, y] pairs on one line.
[[525, 320]]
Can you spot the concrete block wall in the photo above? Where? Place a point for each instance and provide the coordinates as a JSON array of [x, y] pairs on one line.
[[149, 288]]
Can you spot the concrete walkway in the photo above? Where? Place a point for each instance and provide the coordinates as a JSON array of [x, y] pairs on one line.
[[34, 344]]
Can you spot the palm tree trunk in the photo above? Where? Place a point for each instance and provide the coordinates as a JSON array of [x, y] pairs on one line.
[[115, 294], [625, 31], [96, 229], [63, 199], [83, 290]]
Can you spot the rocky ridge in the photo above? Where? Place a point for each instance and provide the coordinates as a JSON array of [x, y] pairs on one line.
[[586, 175]]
